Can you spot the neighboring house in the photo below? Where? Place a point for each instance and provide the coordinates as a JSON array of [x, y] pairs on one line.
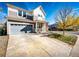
[[1, 25], [53, 27], [23, 21]]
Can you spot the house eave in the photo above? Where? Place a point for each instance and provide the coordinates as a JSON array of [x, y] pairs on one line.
[[12, 6], [42, 10], [19, 20]]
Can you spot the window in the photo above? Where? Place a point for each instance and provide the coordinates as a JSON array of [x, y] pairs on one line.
[[20, 13], [39, 15], [24, 14], [30, 17]]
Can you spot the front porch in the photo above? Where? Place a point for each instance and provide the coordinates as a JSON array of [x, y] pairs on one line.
[[41, 27]]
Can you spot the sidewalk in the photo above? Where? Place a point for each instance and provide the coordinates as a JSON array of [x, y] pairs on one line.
[[75, 50]]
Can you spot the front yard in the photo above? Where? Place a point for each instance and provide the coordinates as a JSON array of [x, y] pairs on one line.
[[70, 39]]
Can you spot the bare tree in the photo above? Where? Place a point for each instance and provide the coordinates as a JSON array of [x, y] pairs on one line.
[[62, 17]]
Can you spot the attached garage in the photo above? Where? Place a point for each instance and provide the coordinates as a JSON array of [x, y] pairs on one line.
[[28, 29], [17, 28]]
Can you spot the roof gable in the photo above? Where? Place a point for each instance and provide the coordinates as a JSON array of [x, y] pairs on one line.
[[40, 7], [42, 10]]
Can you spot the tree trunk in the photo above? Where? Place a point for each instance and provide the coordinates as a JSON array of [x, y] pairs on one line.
[[63, 32]]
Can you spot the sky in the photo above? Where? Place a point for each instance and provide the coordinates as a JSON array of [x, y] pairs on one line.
[[50, 8]]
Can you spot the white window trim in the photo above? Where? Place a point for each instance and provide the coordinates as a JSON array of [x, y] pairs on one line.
[[18, 15], [22, 15]]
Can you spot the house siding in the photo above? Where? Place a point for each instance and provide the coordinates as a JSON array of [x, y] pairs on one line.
[[12, 12], [37, 12], [20, 22]]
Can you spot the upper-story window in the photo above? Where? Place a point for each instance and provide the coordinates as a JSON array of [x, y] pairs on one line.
[[24, 14], [20, 13], [30, 17], [39, 15]]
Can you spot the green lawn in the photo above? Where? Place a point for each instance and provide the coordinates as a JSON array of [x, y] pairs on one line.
[[70, 39]]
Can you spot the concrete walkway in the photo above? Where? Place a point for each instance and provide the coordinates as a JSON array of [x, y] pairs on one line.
[[75, 50], [36, 45]]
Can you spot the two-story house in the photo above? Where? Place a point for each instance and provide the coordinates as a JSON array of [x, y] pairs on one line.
[[23, 21]]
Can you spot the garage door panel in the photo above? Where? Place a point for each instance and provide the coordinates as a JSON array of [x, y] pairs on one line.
[[17, 29]]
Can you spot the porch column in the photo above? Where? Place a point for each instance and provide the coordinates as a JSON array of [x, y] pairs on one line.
[[44, 28], [36, 27], [33, 28]]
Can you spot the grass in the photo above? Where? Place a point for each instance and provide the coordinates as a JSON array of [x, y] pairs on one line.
[[70, 39]]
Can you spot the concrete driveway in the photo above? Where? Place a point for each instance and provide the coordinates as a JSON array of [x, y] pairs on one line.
[[36, 45], [3, 45]]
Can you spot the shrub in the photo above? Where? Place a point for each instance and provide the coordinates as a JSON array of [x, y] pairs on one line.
[[2, 32], [67, 39], [55, 35]]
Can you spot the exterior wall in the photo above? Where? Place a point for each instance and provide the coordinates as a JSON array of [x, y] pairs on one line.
[[12, 12], [8, 28], [37, 12]]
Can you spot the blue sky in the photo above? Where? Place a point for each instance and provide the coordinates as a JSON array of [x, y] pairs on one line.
[[50, 8]]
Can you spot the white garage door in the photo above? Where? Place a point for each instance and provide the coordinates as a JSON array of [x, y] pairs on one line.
[[20, 28], [16, 28]]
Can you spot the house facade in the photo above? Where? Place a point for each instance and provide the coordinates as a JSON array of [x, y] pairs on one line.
[[23, 21]]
